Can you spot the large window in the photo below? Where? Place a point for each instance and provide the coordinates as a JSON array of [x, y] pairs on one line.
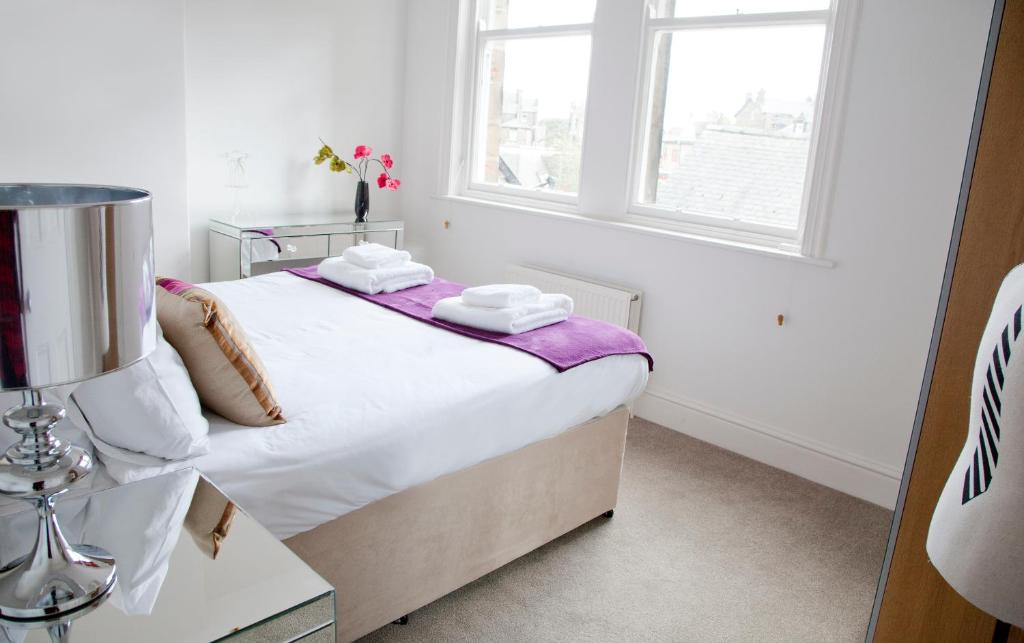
[[529, 96], [707, 117], [732, 104]]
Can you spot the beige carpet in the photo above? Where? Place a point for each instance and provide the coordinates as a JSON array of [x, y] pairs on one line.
[[705, 545]]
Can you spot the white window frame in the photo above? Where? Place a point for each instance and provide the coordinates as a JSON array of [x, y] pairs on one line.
[[471, 126], [816, 187], [596, 201]]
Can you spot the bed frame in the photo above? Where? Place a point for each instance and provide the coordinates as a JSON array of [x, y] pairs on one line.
[[399, 553]]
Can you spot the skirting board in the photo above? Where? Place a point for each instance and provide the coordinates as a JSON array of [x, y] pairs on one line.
[[869, 481]]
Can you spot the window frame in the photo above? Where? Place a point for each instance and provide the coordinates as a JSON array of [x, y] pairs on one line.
[[788, 239], [478, 39], [600, 201]]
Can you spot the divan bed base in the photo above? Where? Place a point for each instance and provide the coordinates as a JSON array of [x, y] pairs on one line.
[[399, 553]]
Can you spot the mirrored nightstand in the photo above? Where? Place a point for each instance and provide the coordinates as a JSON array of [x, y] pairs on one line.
[[255, 246], [191, 567]]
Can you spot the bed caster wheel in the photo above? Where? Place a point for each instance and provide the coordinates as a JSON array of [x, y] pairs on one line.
[[609, 513], [401, 621]]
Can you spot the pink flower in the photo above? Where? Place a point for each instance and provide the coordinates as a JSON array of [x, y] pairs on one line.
[[382, 180], [392, 184], [362, 150], [386, 160]]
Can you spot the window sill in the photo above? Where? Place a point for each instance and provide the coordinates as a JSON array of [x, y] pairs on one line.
[[642, 229]]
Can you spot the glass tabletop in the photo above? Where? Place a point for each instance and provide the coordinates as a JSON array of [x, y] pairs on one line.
[[299, 225], [191, 566]]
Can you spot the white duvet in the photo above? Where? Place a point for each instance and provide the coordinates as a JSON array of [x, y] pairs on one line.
[[377, 402]]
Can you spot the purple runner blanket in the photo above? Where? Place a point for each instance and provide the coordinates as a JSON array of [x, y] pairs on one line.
[[575, 341]]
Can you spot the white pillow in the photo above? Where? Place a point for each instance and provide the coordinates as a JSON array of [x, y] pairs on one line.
[[148, 408]]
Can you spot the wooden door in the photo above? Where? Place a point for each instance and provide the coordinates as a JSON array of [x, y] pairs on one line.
[[917, 604]]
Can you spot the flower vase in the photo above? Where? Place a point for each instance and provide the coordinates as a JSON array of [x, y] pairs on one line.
[[362, 206]]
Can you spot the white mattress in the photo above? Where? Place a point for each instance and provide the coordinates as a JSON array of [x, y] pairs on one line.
[[377, 402]]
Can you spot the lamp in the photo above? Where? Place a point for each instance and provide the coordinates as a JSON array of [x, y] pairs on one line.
[[976, 537], [76, 301]]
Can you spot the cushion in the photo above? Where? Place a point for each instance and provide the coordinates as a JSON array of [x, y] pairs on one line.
[[149, 407], [209, 518], [225, 370]]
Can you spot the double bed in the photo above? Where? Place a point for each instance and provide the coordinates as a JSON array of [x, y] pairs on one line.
[[413, 459]]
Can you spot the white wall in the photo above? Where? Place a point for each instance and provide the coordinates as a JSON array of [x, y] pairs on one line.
[[269, 77], [97, 92], [93, 92], [832, 394]]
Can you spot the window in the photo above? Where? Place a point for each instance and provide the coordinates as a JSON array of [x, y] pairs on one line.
[[731, 111], [530, 94], [713, 118]]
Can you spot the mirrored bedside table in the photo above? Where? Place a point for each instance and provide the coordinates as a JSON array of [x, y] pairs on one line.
[[191, 566], [258, 245]]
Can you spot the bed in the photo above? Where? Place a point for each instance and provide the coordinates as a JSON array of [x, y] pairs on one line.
[[414, 460]]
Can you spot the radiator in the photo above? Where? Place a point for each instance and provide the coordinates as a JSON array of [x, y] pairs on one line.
[[607, 302]]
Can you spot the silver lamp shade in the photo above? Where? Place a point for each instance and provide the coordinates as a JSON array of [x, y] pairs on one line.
[[76, 301], [76, 282]]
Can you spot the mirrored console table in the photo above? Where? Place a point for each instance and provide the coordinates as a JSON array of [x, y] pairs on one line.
[[191, 566], [255, 246]]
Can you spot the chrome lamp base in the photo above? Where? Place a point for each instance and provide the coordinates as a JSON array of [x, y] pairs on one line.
[[55, 579]]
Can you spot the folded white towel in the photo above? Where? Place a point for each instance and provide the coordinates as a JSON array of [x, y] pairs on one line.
[[500, 295], [371, 282], [374, 255], [549, 309]]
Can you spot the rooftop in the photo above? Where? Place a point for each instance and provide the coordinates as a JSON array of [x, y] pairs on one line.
[[740, 174]]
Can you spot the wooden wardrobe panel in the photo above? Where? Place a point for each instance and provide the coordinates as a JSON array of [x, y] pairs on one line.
[[918, 605]]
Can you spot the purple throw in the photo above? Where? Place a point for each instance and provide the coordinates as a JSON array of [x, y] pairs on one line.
[[268, 232], [575, 341]]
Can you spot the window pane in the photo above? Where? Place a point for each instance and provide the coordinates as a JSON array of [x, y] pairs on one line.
[[529, 113], [694, 8], [517, 14], [731, 117]]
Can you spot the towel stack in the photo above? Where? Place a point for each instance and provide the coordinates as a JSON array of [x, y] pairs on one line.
[[372, 268], [504, 308]]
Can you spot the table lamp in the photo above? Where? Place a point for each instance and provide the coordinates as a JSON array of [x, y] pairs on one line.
[[76, 301], [976, 537]]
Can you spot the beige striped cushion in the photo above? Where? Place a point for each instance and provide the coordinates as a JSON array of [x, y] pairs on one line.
[[209, 518], [225, 370]]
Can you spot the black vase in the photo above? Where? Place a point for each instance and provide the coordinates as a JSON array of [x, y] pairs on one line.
[[362, 201]]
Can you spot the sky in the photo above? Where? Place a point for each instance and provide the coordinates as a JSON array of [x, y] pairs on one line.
[[553, 70], [714, 69]]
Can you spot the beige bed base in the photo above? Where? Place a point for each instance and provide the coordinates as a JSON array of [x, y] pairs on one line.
[[399, 553]]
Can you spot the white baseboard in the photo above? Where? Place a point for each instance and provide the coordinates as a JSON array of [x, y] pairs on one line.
[[871, 481]]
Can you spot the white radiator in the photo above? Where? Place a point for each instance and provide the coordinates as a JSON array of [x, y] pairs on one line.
[[607, 302]]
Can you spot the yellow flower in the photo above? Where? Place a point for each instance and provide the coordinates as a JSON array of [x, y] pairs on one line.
[[337, 165], [322, 155]]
